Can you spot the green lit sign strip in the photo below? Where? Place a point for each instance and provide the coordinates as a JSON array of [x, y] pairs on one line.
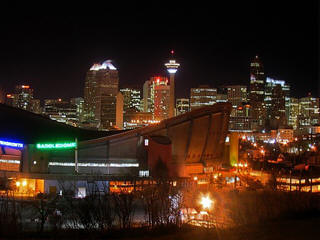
[[56, 145]]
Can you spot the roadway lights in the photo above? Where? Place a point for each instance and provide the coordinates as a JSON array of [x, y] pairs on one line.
[[18, 184]]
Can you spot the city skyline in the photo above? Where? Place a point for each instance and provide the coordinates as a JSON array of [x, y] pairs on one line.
[[53, 54]]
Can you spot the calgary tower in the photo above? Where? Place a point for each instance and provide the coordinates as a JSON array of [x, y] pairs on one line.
[[172, 67]]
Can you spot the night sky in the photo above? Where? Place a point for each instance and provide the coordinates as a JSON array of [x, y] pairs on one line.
[[214, 45]]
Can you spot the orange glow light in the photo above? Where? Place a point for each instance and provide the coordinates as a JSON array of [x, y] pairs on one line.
[[25, 86]]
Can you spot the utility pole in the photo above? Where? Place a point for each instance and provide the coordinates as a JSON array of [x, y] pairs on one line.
[[76, 169]]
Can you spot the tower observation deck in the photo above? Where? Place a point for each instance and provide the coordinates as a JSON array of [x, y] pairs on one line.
[[172, 67]]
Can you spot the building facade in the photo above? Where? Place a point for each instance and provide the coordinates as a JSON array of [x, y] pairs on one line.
[[202, 96], [308, 113], [256, 94], [101, 89], [131, 99], [61, 111], [149, 91], [293, 113]]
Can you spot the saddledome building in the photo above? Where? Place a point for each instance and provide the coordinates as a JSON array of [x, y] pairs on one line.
[[45, 156]]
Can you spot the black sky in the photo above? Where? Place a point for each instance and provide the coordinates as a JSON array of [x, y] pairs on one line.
[[213, 43]]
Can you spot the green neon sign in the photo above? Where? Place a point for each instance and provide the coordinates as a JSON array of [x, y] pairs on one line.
[[56, 145]]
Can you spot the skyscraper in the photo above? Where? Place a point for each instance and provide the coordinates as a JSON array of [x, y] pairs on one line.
[[294, 112], [149, 88], [172, 67], [131, 99], [78, 102], [61, 111], [256, 94], [237, 94], [204, 95], [101, 89], [277, 108], [241, 111], [309, 109], [22, 97], [270, 94], [161, 101]]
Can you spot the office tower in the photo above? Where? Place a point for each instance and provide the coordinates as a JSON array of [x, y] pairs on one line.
[[147, 101], [204, 95], [269, 86], [293, 113], [172, 67], [256, 94], [241, 110], [78, 102], [308, 113], [149, 92], [236, 94], [22, 97], [278, 108], [240, 118], [119, 111], [61, 111], [131, 99], [161, 101], [101, 89], [182, 105]]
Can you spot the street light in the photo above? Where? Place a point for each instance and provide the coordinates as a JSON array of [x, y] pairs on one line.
[[206, 202]]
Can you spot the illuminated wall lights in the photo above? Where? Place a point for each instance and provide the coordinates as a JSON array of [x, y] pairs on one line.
[[71, 164]]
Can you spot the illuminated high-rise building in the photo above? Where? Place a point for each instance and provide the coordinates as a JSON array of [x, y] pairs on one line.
[[78, 102], [241, 111], [101, 89], [237, 94], [147, 98], [61, 111], [309, 109], [22, 97], [270, 93], [293, 113], [149, 92], [172, 67], [182, 105], [278, 108], [204, 95], [161, 101], [256, 94], [131, 99]]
